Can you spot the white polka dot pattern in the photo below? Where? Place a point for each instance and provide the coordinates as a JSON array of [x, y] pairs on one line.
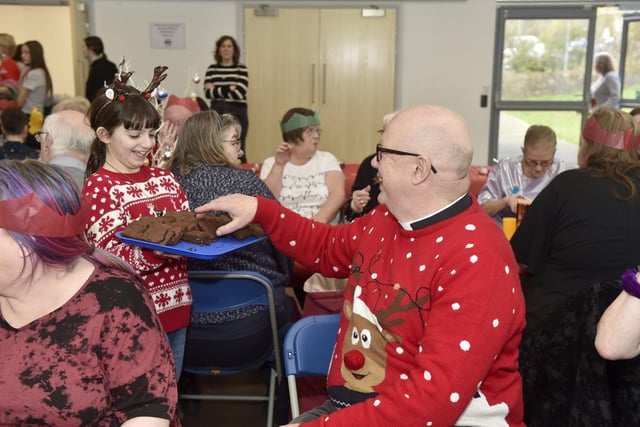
[[464, 316]]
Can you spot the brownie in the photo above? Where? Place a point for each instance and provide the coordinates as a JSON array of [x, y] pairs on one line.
[[198, 237], [172, 227]]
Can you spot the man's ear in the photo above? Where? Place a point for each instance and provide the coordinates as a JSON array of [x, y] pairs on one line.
[[103, 134], [422, 169]]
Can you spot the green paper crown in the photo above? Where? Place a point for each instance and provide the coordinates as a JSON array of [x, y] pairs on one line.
[[299, 121]]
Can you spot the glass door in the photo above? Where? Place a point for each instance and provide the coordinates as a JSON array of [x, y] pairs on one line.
[[542, 75], [630, 61]]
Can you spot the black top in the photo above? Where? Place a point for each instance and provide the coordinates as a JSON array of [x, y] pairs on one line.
[[365, 176], [16, 150], [101, 72], [575, 233]]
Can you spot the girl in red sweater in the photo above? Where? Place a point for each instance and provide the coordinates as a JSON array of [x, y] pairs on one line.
[[122, 189]]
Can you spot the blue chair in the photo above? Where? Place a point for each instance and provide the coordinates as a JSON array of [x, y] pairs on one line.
[[308, 347], [222, 291]]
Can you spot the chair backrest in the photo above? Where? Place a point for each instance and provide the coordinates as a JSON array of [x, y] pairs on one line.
[[221, 291], [232, 290], [309, 343]]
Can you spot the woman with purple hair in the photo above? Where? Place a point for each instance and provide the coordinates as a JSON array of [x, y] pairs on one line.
[[81, 342]]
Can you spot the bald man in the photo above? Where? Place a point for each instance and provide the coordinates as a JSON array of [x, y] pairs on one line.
[[67, 142], [433, 312]]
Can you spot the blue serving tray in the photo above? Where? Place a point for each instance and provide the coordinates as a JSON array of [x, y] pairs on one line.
[[222, 246]]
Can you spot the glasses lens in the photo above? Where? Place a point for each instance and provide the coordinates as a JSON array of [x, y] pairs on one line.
[[314, 131], [544, 164]]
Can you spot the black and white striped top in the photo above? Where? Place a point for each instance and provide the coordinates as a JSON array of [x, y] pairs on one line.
[[224, 77]]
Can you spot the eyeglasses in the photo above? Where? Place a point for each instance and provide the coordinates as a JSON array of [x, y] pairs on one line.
[[234, 142], [41, 136], [544, 164], [380, 149], [313, 131]]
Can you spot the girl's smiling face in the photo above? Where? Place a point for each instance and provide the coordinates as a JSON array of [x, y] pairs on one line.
[[127, 149]]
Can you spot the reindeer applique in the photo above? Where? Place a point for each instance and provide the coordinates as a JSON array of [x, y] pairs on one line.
[[364, 360]]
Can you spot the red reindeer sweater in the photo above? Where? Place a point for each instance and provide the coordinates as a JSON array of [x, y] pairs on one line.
[[431, 320]]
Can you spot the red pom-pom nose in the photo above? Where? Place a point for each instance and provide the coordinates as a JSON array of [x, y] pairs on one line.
[[354, 360]]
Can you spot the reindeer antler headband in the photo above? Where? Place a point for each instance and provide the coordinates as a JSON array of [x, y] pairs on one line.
[[120, 92]]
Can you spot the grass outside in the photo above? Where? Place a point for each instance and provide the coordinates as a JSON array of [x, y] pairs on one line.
[[566, 124]]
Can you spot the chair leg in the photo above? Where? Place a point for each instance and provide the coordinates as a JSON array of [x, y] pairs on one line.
[[272, 397], [293, 395]]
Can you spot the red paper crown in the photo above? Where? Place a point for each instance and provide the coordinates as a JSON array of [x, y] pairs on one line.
[[624, 140], [29, 215], [188, 103]]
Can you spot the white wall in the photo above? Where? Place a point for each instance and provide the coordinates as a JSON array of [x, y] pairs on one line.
[[445, 48]]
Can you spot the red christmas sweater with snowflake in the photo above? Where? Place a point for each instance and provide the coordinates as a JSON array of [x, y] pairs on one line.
[[118, 199], [431, 319]]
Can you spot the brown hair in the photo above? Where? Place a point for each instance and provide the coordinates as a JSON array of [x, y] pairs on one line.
[[94, 44], [538, 133], [602, 161], [200, 141], [236, 50], [37, 61], [9, 43], [134, 111], [604, 62]]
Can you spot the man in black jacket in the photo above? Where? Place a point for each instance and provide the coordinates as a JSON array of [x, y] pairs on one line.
[[101, 71]]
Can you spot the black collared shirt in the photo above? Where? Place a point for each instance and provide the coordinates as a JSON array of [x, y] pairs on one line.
[[460, 206]]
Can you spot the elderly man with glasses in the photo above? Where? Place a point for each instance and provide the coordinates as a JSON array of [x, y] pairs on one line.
[[65, 141], [519, 179], [433, 311]]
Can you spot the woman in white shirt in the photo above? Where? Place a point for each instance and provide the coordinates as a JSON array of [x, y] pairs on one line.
[[303, 179], [35, 80], [606, 90]]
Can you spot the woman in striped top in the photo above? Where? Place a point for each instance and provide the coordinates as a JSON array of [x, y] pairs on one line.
[[226, 84]]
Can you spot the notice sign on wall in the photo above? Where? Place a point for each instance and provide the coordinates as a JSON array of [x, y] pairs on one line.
[[167, 35]]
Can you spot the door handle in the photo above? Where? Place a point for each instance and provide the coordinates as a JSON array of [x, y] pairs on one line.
[[324, 83], [313, 83]]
